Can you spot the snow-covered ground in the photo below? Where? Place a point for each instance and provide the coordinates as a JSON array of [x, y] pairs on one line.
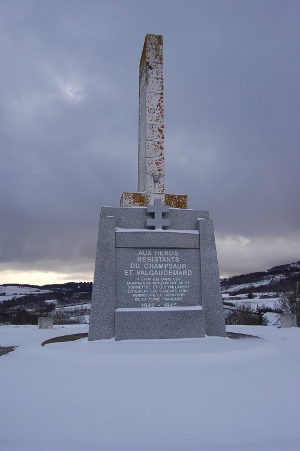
[[15, 291], [75, 306], [194, 394], [270, 300], [258, 300], [264, 281]]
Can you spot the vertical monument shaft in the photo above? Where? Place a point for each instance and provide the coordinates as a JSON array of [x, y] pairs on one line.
[[151, 160], [151, 170]]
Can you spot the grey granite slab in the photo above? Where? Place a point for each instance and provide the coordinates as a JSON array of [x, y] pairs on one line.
[[147, 324], [136, 217], [210, 281], [142, 275], [102, 323], [151, 238]]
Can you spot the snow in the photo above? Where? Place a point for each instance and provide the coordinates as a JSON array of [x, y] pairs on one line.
[[15, 291], [246, 286], [257, 301], [50, 301], [273, 319], [74, 307], [159, 309], [215, 394], [119, 229]]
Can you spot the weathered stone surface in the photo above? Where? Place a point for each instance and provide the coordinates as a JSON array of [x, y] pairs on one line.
[[152, 51], [155, 149], [151, 117], [154, 70], [154, 132], [155, 85], [151, 162], [134, 200], [143, 199], [176, 200], [155, 166], [155, 101], [155, 116]]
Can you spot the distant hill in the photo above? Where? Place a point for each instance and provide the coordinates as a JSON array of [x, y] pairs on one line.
[[70, 302], [69, 286], [24, 303], [277, 279], [75, 287]]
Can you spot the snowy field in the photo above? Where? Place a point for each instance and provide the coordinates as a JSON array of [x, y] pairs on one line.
[[193, 394], [15, 291]]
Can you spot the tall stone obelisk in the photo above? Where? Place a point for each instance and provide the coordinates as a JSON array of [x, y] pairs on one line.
[[151, 170], [151, 160]]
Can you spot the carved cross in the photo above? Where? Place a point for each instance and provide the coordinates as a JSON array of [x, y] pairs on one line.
[[158, 209]]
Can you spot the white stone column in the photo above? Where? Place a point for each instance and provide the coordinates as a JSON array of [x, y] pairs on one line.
[[151, 170], [151, 159]]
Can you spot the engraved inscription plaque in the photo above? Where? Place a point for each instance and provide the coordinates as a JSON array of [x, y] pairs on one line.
[[157, 278]]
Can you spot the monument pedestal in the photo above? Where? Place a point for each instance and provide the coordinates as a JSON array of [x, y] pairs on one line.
[[159, 323], [155, 283]]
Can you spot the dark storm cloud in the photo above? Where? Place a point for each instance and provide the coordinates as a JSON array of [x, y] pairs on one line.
[[69, 106]]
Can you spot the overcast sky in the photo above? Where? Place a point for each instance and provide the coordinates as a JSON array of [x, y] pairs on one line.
[[69, 121]]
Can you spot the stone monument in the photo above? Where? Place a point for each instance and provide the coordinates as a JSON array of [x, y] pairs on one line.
[[156, 271], [288, 320], [45, 322]]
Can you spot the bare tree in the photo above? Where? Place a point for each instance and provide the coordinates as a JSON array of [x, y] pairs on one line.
[[247, 315]]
